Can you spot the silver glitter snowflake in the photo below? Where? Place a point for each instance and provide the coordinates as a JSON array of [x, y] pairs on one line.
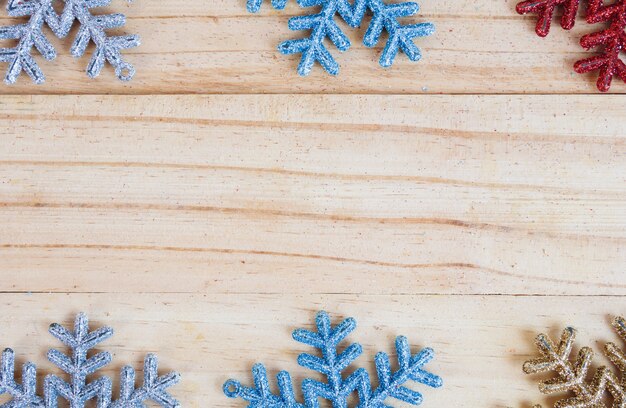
[[78, 391], [92, 28]]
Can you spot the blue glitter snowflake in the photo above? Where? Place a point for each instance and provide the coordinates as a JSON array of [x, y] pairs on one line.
[[91, 29], [78, 391], [332, 365], [322, 26]]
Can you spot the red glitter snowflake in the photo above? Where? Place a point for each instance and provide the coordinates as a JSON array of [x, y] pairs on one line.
[[613, 39], [545, 10]]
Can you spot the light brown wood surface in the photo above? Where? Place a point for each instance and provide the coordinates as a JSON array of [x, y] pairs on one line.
[[206, 228], [468, 201], [200, 46]]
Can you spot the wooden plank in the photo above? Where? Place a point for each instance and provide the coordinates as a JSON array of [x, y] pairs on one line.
[[216, 47], [267, 194], [229, 8], [481, 342]]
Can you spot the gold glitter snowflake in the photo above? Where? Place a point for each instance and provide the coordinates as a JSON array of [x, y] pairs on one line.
[[572, 374]]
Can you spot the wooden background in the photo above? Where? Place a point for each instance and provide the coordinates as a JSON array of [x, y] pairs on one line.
[[207, 227]]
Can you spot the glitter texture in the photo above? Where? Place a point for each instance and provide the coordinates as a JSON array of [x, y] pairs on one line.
[[385, 17], [545, 11], [571, 376], [322, 26], [331, 365], [255, 5], [78, 391], [91, 29], [29, 35], [24, 395], [612, 39]]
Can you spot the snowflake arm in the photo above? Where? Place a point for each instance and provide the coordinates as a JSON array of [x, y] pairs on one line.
[[78, 366], [331, 365], [411, 368], [56, 387], [613, 39], [556, 358], [322, 26], [385, 17], [261, 396], [615, 354], [22, 396], [254, 6], [29, 35], [545, 11], [92, 29], [154, 387], [618, 358]]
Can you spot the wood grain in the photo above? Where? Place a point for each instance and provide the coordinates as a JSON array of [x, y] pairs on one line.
[[198, 46], [310, 194]]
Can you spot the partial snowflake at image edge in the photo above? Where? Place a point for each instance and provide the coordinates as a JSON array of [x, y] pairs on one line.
[[611, 40], [78, 366], [571, 375], [322, 26], [29, 35], [92, 29], [331, 365]]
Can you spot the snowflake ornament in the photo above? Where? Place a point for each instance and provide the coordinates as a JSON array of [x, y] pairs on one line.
[[92, 28], [332, 366], [571, 375], [79, 391], [612, 39], [322, 26]]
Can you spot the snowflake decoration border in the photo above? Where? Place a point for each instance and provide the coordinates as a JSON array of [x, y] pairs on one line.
[[92, 28], [322, 26], [571, 375], [332, 365], [79, 391]]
